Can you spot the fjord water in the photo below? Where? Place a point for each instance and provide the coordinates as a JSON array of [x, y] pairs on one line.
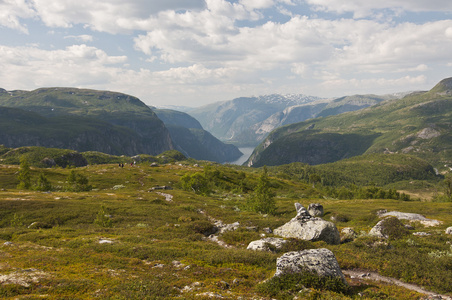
[[246, 154]]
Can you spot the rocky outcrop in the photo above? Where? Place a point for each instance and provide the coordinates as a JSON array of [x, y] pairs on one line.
[[321, 261], [378, 230], [411, 217], [306, 227], [266, 244]]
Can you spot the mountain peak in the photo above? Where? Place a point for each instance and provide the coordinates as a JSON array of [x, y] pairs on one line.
[[444, 87]]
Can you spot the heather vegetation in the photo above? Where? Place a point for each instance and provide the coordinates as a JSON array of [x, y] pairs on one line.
[[107, 231]]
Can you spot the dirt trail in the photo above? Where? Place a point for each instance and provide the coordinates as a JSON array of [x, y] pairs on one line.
[[366, 275]]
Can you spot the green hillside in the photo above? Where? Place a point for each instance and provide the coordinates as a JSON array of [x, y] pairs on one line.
[[82, 120], [418, 124]]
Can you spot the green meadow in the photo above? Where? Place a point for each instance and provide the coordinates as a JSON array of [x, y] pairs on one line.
[[122, 239]]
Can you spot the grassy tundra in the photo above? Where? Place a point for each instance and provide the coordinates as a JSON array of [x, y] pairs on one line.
[[122, 240]]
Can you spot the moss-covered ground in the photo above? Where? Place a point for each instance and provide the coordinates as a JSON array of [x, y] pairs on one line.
[[123, 240]]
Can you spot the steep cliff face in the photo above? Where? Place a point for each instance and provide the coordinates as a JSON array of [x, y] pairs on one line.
[[103, 121], [20, 128], [193, 141]]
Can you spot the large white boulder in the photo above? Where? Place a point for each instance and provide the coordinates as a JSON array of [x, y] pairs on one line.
[[308, 228], [321, 261], [411, 217]]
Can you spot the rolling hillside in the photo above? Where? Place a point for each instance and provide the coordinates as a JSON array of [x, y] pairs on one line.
[[418, 124], [82, 120]]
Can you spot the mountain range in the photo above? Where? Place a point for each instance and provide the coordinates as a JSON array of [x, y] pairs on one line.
[[90, 120], [419, 124], [245, 122]]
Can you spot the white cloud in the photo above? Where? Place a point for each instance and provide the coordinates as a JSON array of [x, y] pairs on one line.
[[83, 38], [111, 16], [257, 4], [11, 13], [77, 65], [365, 8]]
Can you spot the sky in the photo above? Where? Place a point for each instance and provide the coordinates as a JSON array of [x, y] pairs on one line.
[[195, 52]]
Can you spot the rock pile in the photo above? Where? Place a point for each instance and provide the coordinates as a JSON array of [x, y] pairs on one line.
[[306, 227]]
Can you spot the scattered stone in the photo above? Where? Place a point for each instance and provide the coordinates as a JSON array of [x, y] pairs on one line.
[[321, 261], [409, 227], [348, 235], [177, 264], [223, 285], [163, 187], [24, 277], [222, 228], [268, 230], [154, 164], [266, 244], [210, 295], [449, 230], [8, 244], [305, 227], [39, 225], [315, 209], [411, 217], [105, 241], [168, 197], [381, 212], [421, 233], [377, 230]]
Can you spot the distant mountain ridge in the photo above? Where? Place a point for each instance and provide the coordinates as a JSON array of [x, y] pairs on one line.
[[247, 121], [193, 141], [104, 121], [83, 119], [417, 124]]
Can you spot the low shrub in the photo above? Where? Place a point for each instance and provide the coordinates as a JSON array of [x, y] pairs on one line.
[[393, 228], [286, 286]]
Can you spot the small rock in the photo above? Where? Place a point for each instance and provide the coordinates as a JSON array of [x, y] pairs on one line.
[[266, 244], [315, 209], [268, 230], [105, 241], [8, 243], [421, 233], [348, 235], [449, 230], [39, 225]]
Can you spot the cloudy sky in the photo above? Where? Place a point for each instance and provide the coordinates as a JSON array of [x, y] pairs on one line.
[[194, 52]]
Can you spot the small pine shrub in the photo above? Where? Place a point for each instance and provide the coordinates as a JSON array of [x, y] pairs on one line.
[[393, 228], [103, 219]]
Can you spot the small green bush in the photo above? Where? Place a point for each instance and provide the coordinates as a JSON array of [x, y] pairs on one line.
[[393, 228], [286, 286]]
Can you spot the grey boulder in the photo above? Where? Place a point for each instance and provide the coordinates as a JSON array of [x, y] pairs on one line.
[[320, 261], [306, 227]]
